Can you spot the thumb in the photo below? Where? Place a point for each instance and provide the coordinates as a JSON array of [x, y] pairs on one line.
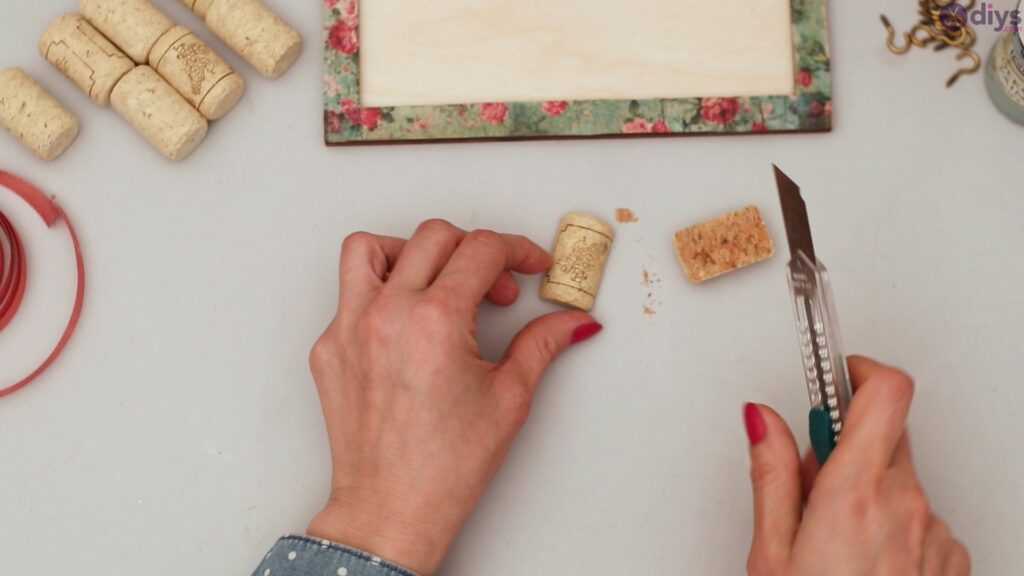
[[541, 341], [775, 475]]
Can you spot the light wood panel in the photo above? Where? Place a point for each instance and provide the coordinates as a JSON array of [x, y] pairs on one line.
[[468, 51]]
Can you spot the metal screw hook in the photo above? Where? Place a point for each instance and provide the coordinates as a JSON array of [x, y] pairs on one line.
[[890, 40], [974, 67]]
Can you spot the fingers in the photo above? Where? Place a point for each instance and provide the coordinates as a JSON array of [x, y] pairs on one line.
[[861, 369], [539, 343], [482, 258], [902, 458], [426, 254], [505, 291], [809, 472], [775, 475], [937, 541], [475, 265], [366, 260], [877, 416], [958, 561], [942, 555]]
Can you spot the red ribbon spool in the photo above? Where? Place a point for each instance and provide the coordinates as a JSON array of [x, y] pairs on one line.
[[13, 269]]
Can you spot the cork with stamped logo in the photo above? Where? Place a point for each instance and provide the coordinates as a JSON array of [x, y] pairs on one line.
[[85, 56], [724, 244], [578, 259], [197, 72]]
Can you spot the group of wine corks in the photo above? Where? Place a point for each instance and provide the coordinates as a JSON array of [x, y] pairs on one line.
[[160, 77], [705, 251]]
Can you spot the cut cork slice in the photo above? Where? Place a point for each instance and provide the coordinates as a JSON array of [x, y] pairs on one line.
[[727, 243]]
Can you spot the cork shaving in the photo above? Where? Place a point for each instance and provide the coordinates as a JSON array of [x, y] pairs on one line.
[[727, 243], [649, 281], [625, 216]]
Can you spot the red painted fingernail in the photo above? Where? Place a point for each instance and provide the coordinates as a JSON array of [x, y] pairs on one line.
[[586, 332], [756, 429]]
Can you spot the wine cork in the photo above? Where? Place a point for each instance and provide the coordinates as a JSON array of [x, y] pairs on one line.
[[579, 257], [33, 116], [133, 25], [253, 31], [197, 72], [157, 111], [85, 56]]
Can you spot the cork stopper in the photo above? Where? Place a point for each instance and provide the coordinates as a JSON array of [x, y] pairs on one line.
[[253, 31], [33, 116], [85, 56], [159, 113], [200, 7], [197, 72], [581, 251], [133, 25]]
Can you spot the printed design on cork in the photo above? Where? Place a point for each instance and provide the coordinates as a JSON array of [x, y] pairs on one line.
[[62, 64], [195, 57], [59, 54], [583, 258]]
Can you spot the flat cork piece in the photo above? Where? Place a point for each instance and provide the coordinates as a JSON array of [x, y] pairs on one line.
[[727, 243]]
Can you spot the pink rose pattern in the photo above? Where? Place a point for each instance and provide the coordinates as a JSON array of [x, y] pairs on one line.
[[343, 35], [809, 108], [343, 38], [494, 113], [719, 110], [804, 78], [368, 118], [636, 126], [554, 108]]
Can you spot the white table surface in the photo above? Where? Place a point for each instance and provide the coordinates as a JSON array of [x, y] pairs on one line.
[[180, 432]]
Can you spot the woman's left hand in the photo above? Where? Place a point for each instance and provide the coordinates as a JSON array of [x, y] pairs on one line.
[[418, 422]]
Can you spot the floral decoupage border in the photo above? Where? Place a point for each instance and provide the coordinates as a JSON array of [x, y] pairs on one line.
[[808, 108]]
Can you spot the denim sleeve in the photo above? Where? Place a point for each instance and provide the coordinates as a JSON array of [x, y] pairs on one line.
[[305, 556]]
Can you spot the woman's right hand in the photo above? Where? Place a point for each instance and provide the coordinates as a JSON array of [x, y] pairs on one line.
[[866, 513]]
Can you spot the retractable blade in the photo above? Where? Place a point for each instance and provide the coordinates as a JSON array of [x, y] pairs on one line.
[[825, 372]]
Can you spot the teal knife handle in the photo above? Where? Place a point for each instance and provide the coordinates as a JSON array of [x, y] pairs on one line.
[[823, 440]]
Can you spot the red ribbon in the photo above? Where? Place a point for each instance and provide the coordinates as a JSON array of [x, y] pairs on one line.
[[13, 270]]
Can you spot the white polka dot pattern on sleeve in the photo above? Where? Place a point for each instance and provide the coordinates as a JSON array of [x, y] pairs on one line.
[[306, 556]]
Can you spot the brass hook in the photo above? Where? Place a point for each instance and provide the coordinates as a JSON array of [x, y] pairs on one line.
[[975, 66], [916, 40], [890, 40]]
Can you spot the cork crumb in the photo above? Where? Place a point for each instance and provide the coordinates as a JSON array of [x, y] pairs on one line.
[[625, 216], [649, 280]]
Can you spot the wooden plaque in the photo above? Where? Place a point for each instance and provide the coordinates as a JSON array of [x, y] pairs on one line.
[[413, 71]]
